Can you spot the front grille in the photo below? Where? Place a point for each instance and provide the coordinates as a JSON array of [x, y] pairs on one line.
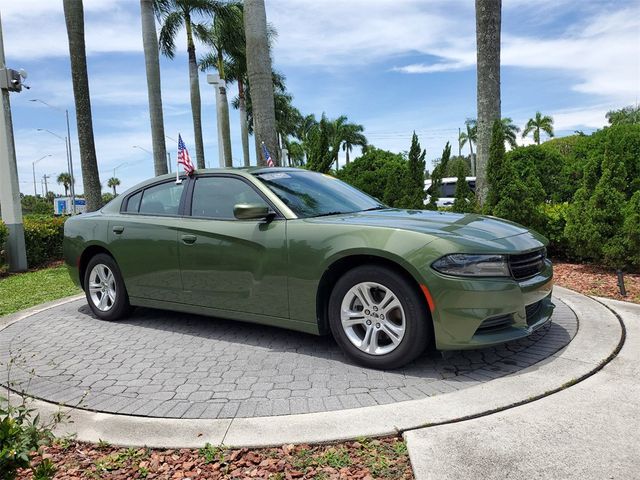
[[532, 311], [495, 323], [526, 265]]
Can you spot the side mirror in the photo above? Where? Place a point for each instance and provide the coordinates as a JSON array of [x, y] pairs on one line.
[[251, 211]]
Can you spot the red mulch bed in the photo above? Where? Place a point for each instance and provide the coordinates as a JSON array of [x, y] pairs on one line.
[[596, 280], [383, 458]]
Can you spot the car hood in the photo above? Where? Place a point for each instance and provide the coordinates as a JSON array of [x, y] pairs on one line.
[[438, 224]]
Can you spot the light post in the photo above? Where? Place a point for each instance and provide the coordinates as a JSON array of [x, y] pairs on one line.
[[33, 167], [66, 146], [215, 80], [169, 152], [69, 152], [9, 183], [117, 167]]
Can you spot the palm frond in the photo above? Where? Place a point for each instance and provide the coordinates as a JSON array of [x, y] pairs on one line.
[[171, 25]]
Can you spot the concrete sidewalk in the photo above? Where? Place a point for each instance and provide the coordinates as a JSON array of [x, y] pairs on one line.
[[589, 431]]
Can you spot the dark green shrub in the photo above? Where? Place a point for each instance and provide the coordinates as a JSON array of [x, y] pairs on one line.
[[4, 234], [436, 178], [379, 173], [631, 231], [36, 206], [43, 238], [512, 195], [595, 218], [465, 201], [553, 219], [414, 189], [545, 164]]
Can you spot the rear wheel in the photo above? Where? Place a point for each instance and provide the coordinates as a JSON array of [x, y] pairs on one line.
[[104, 288], [377, 317]]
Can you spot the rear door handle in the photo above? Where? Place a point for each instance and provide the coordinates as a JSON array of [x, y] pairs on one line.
[[189, 239], [118, 229]]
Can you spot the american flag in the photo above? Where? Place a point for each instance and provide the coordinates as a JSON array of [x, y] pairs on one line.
[[184, 158], [267, 155]]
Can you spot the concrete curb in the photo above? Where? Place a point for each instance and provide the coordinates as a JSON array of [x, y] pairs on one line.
[[598, 337]]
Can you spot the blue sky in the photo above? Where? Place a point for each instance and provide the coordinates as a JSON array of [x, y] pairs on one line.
[[392, 65]]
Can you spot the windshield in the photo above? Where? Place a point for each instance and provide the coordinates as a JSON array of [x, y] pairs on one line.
[[311, 194]]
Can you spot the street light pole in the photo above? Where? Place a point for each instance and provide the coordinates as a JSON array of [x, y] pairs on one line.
[[69, 151], [9, 184], [33, 167]]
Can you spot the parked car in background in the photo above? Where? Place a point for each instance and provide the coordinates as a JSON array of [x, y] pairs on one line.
[[448, 190], [306, 251]]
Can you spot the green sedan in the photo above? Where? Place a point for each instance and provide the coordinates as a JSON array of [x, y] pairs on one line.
[[305, 251]]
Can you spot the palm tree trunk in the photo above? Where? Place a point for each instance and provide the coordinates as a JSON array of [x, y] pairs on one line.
[[194, 87], [152, 64], [223, 118], [244, 130], [347, 159], [488, 23], [260, 77], [74, 18]]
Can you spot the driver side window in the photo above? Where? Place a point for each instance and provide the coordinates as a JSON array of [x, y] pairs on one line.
[[215, 197]]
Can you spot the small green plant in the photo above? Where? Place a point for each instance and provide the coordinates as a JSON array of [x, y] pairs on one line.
[[45, 470], [21, 433], [212, 454], [103, 444], [336, 457], [143, 471], [118, 460]]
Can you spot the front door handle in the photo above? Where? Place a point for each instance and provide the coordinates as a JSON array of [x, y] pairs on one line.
[[118, 229], [189, 239]]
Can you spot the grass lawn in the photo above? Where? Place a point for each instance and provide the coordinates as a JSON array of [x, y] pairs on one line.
[[23, 290]]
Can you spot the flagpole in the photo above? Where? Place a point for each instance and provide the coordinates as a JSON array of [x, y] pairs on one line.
[[177, 166]]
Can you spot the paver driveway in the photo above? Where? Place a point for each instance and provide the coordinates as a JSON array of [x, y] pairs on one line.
[[175, 365]]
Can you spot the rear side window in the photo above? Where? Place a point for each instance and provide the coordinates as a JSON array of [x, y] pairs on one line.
[[215, 197], [133, 204], [448, 190], [163, 199]]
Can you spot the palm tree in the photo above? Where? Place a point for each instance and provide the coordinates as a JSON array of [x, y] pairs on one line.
[[152, 64], [74, 18], [352, 136], [174, 15], [510, 131], [113, 182], [225, 36], [488, 23], [535, 125], [64, 179], [260, 77]]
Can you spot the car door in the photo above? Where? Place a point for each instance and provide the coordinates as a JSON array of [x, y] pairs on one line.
[[144, 241], [231, 264]]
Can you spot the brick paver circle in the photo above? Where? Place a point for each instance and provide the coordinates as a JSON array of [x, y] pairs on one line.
[[175, 365]]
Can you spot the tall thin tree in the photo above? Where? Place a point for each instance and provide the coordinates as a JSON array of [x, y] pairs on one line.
[[488, 25], [152, 65], [74, 18], [260, 77], [174, 15]]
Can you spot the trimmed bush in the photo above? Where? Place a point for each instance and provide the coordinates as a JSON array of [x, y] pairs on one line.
[[553, 219], [4, 233], [43, 238]]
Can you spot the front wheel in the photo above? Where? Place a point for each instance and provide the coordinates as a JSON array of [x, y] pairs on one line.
[[104, 288], [377, 317]]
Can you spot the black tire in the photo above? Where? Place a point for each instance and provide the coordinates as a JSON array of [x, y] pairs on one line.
[[417, 320], [116, 309]]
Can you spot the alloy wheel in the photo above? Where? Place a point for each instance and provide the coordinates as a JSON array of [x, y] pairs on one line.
[[373, 318]]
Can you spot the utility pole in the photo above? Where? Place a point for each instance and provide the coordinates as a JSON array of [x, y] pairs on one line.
[[46, 187], [9, 186]]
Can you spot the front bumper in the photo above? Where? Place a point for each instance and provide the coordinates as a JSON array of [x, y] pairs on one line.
[[481, 312]]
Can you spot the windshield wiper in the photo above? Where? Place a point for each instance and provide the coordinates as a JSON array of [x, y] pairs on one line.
[[329, 213], [379, 207]]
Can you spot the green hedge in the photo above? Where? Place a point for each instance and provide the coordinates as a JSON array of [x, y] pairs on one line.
[[43, 236], [4, 233]]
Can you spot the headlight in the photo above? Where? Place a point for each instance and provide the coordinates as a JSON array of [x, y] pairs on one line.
[[467, 265]]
